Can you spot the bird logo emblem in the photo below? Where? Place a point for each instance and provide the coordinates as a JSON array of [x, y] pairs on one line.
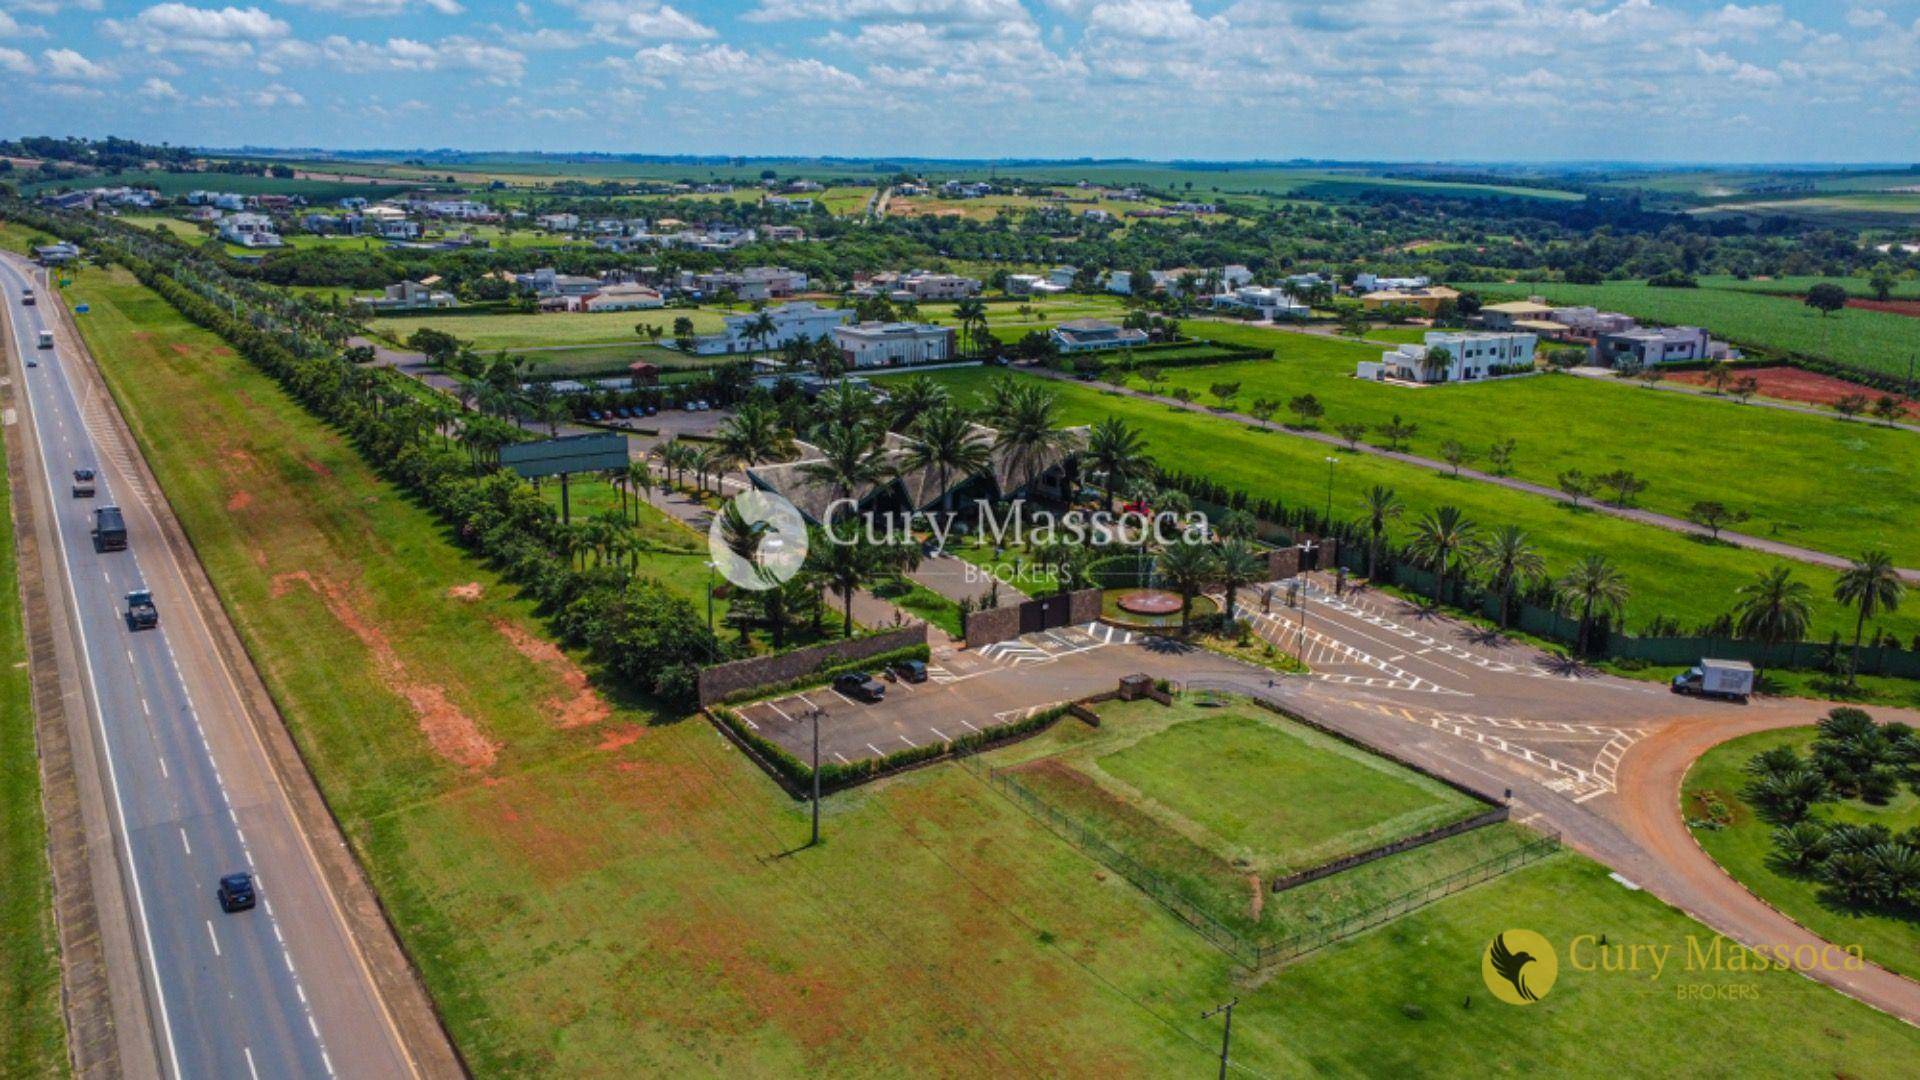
[[1520, 967]]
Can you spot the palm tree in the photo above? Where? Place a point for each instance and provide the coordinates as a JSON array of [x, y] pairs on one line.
[[753, 434], [1438, 536], [913, 397], [676, 456], [1237, 564], [1595, 586], [640, 479], [1189, 567], [1118, 453], [850, 461], [1871, 585], [1382, 506], [1029, 434], [761, 328], [844, 405], [842, 568], [946, 442], [1509, 558], [1773, 608], [973, 321]]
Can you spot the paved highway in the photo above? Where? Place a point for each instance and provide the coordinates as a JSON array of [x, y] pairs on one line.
[[278, 991]]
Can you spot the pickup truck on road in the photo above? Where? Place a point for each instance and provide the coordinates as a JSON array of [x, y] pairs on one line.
[[83, 483], [109, 529], [141, 612]]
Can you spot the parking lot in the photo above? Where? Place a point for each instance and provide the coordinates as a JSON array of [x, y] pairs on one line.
[[969, 691]]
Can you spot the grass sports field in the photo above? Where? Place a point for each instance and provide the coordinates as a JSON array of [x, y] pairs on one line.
[[607, 895], [490, 332], [1744, 845], [1669, 573], [1813, 481], [1220, 801], [1870, 339], [32, 1032]]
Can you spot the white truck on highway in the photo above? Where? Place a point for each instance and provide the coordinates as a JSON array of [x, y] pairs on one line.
[[46, 339], [1729, 679]]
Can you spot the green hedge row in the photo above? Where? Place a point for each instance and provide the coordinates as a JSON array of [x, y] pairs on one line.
[[820, 676]]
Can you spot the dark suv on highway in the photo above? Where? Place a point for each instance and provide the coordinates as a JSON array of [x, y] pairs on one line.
[[236, 893]]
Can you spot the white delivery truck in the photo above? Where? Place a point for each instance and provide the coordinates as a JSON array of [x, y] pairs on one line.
[[46, 339], [1730, 679]]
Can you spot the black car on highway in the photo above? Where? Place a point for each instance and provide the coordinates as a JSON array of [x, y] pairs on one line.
[[236, 893], [859, 686]]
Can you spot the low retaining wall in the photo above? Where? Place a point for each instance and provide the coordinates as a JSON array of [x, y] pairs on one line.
[[1405, 843], [724, 680]]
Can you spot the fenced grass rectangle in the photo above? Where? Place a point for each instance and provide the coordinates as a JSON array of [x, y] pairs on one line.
[[1278, 796]]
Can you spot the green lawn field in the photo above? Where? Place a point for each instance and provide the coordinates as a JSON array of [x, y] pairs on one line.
[[1870, 339], [607, 895], [32, 1031], [1669, 573], [1297, 799], [490, 332], [1904, 288], [1814, 481], [1742, 848]]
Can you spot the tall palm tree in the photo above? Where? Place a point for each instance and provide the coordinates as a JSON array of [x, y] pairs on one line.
[[973, 321], [845, 404], [1236, 564], [1594, 586], [850, 461], [640, 479], [753, 434], [1508, 558], [1189, 567], [1029, 436], [1870, 586], [946, 442], [913, 397], [1382, 506], [842, 568], [1439, 535], [761, 328], [1773, 608], [996, 401], [1118, 453], [676, 456]]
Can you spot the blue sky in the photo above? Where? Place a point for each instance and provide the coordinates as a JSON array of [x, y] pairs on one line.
[[1671, 80]]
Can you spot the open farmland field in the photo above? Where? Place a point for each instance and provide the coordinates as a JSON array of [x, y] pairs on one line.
[[1857, 287], [1863, 209], [1669, 573], [605, 891], [1744, 846], [490, 332], [1869, 339], [175, 184], [1808, 480], [1197, 179]]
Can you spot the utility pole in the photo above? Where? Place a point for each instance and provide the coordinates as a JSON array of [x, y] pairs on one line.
[[815, 714], [1326, 519], [1226, 1035]]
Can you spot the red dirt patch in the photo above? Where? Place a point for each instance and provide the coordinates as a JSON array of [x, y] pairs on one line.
[[1909, 308], [452, 733], [1792, 384], [181, 349], [315, 466], [583, 707], [469, 592], [240, 501], [624, 736]]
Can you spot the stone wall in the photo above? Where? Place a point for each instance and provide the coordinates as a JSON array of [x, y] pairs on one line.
[[1002, 623], [724, 680]]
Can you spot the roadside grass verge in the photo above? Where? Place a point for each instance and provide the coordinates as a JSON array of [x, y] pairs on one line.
[[1669, 573], [32, 1031], [1742, 848], [612, 896]]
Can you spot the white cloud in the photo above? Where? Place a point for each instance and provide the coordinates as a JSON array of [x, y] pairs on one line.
[[68, 64], [10, 27], [365, 8], [633, 21], [890, 11], [716, 68], [176, 27], [494, 63], [273, 95], [159, 89], [15, 62]]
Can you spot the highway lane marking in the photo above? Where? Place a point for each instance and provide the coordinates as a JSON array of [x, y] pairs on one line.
[[211, 937], [145, 708], [183, 840], [163, 769], [251, 1071]]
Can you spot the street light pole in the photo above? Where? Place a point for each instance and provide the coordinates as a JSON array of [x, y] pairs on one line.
[[1226, 1035], [1326, 519], [816, 778]]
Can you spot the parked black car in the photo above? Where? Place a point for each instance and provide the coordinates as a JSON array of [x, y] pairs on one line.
[[910, 670], [860, 686], [236, 893]]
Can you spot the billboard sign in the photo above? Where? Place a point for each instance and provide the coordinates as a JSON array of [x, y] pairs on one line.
[[567, 454]]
